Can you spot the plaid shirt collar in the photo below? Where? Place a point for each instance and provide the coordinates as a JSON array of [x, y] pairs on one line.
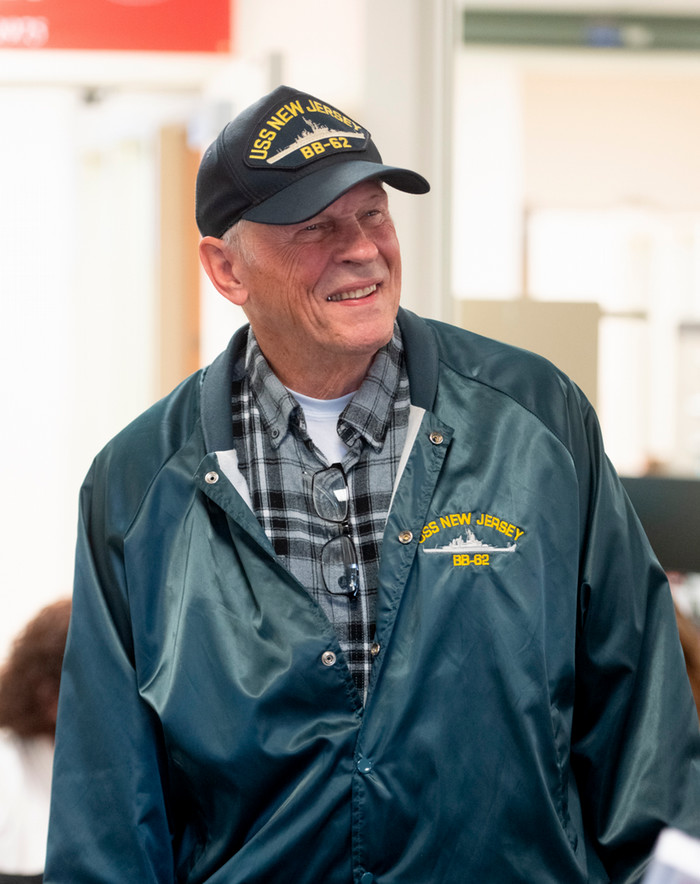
[[367, 416], [276, 405]]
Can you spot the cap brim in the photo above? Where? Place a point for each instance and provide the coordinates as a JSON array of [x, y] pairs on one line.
[[310, 195]]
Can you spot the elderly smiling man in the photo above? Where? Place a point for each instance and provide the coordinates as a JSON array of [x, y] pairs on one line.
[[364, 600]]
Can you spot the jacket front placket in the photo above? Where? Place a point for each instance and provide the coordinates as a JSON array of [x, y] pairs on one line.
[[399, 548]]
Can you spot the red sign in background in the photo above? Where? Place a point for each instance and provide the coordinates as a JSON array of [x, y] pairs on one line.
[[136, 25]]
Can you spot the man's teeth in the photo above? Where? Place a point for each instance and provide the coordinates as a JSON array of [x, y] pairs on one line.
[[353, 295]]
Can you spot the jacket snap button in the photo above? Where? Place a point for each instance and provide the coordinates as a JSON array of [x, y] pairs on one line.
[[364, 765], [367, 878], [375, 649], [405, 537], [328, 658], [211, 478], [436, 438]]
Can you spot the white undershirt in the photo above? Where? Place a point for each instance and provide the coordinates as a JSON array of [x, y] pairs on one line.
[[322, 423], [228, 460]]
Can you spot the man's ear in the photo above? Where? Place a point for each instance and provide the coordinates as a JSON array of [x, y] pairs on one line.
[[221, 271]]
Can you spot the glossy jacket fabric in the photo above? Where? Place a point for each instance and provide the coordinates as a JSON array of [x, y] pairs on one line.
[[528, 720]]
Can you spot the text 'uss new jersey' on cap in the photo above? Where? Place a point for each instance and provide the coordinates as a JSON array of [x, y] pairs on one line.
[[285, 159]]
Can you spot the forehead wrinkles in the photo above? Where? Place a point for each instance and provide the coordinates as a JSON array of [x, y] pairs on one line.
[[357, 199], [370, 194]]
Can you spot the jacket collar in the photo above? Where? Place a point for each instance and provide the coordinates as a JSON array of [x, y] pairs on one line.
[[420, 348], [215, 402]]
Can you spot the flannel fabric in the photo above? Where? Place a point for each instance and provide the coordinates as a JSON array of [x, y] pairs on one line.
[[278, 460]]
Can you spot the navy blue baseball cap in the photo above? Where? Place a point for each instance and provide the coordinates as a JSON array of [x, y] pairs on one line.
[[285, 159]]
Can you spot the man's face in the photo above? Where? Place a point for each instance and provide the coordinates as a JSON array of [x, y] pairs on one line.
[[322, 295]]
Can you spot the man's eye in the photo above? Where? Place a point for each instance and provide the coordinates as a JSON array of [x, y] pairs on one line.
[[311, 227]]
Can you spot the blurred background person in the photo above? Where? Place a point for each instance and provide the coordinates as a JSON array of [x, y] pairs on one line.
[[690, 641], [29, 683]]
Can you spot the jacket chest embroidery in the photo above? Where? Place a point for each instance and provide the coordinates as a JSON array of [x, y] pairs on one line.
[[471, 546]]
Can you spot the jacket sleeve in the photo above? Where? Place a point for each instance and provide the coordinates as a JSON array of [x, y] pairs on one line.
[[108, 819], [636, 740]]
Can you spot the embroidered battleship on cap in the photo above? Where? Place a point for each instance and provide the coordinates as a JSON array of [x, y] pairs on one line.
[[300, 132]]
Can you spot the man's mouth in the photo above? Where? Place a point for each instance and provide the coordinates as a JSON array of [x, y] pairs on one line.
[[353, 295]]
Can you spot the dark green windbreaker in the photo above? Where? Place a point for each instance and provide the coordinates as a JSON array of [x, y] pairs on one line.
[[529, 718]]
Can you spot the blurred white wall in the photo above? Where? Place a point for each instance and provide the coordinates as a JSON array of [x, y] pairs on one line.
[[38, 180], [78, 285]]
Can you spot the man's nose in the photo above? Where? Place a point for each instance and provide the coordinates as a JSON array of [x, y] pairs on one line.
[[355, 244]]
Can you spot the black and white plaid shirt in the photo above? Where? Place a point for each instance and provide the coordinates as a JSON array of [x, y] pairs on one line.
[[278, 460]]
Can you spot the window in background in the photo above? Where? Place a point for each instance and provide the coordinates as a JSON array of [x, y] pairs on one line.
[[577, 180]]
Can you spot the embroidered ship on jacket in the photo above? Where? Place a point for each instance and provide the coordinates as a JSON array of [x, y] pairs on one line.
[[469, 543]]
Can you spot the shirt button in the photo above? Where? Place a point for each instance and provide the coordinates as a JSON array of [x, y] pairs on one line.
[[375, 649], [211, 478], [367, 878], [405, 537], [328, 658], [436, 438]]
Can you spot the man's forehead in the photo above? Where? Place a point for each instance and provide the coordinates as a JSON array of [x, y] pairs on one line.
[[372, 191], [361, 197]]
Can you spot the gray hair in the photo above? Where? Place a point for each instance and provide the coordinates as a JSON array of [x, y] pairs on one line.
[[236, 241]]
